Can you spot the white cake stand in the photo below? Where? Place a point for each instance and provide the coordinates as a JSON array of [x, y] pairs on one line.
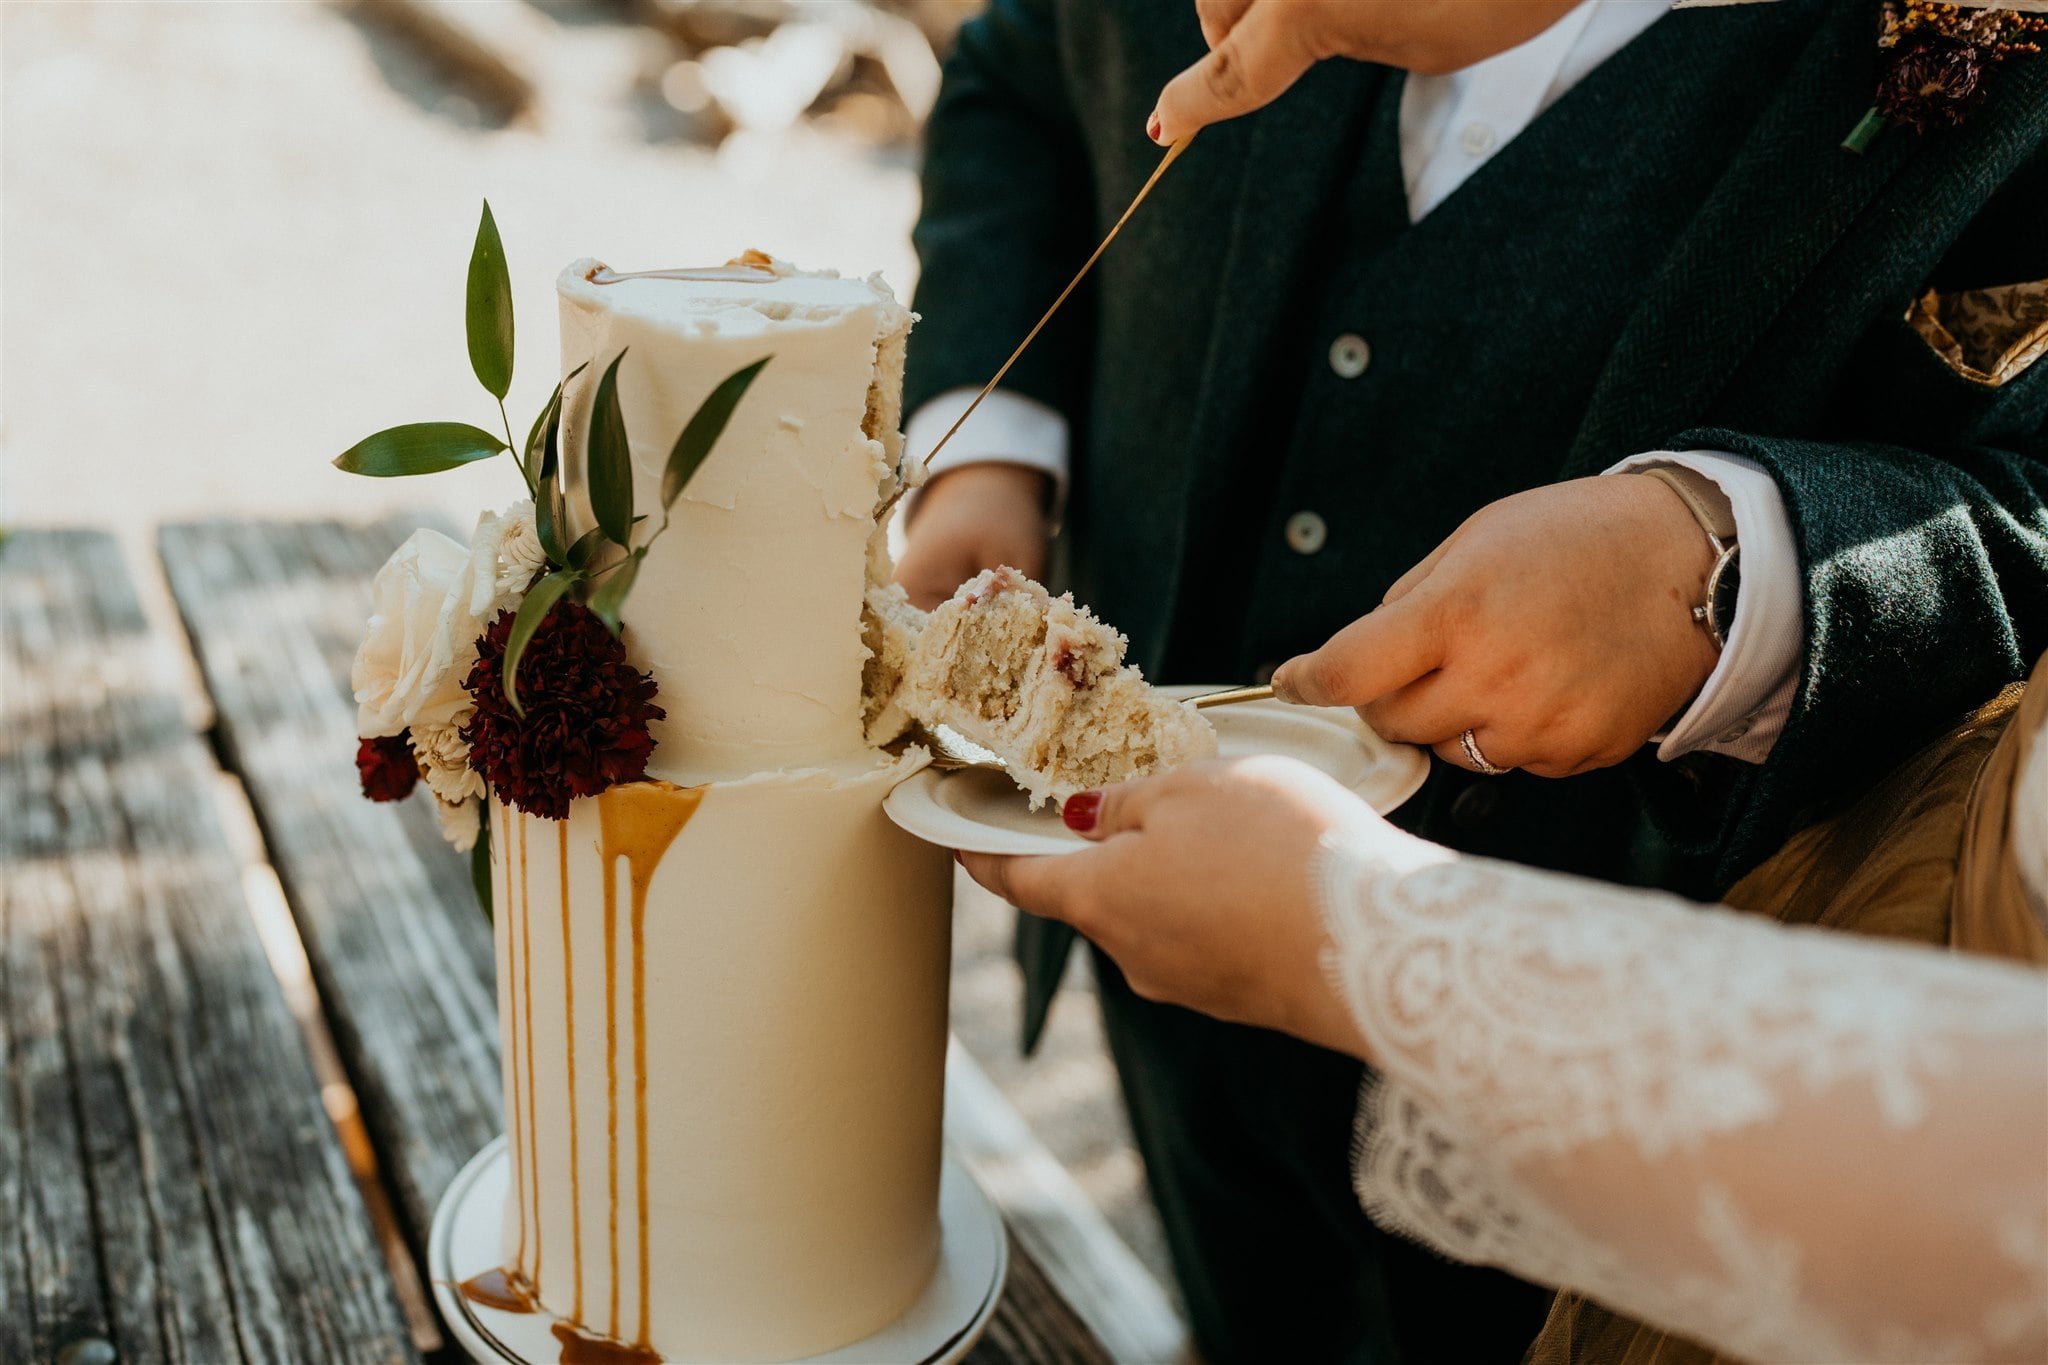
[[938, 1329]]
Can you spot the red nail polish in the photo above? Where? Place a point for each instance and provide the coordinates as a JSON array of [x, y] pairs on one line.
[[1081, 811], [1152, 126]]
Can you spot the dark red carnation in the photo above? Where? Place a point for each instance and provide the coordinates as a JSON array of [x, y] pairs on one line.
[[1931, 80], [387, 767], [586, 719]]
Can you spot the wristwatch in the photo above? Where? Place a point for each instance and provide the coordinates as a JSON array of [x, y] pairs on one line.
[[1710, 508]]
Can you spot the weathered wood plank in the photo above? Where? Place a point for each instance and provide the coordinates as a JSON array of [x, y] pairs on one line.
[[184, 1195], [49, 1276], [401, 955], [1033, 1325], [1098, 1277]]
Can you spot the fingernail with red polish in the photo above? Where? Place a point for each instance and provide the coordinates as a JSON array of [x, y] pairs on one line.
[[1081, 810], [1152, 127]]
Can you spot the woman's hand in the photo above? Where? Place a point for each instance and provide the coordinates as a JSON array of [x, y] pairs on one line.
[[1258, 48], [1202, 888], [1556, 625], [974, 518]]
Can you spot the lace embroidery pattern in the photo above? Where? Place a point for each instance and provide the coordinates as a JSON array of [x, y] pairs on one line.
[[1522, 1015]]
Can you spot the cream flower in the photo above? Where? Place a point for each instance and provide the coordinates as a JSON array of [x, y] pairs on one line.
[[444, 761], [503, 552], [421, 639], [459, 821], [520, 555], [430, 602]]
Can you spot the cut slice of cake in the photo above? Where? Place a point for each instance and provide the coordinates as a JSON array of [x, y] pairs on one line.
[[1042, 683]]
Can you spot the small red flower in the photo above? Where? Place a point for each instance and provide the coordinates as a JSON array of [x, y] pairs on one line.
[[387, 767], [587, 711]]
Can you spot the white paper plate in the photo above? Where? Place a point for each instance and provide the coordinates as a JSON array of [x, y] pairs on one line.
[[939, 1329], [985, 812]]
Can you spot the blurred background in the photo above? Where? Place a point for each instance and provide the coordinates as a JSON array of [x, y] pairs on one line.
[[233, 240]]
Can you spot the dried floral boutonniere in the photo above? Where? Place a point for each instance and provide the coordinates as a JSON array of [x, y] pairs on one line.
[[1934, 61]]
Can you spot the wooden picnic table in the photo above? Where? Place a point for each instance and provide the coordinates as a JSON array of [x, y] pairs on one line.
[[216, 1146]]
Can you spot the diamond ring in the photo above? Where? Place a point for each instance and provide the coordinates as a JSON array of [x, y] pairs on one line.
[[1479, 763]]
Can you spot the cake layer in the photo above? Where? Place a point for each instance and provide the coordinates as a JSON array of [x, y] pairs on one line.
[[724, 1029], [748, 610]]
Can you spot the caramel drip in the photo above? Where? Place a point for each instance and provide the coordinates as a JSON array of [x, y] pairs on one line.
[[582, 1348], [501, 831], [569, 1020], [611, 1072], [638, 821], [526, 996], [501, 1288]]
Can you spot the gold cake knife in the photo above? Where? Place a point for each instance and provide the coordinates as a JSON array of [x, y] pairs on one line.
[[1172, 155]]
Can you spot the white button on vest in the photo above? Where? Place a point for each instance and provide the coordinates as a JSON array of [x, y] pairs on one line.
[[1306, 533], [1476, 138], [1349, 355]]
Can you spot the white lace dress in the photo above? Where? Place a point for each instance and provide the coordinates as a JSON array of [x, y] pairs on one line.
[[1783, 1143]]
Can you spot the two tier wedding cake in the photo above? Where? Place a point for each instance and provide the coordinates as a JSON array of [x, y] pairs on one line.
[[723, 987], [650, 702]]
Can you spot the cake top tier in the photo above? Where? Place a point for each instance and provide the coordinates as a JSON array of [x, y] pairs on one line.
[[748, 611], [731, 301]]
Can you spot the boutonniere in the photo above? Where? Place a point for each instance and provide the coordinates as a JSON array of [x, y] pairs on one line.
[[1934, 61]]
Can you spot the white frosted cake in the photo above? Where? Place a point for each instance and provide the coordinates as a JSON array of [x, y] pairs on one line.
[[723, 989]]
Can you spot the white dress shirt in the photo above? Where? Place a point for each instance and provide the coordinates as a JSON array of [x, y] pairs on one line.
[[1451, 125]]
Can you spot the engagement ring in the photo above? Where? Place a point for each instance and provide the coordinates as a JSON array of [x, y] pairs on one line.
[[1479, 762]]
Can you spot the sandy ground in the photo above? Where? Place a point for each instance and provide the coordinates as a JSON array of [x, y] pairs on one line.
[[232, 242]]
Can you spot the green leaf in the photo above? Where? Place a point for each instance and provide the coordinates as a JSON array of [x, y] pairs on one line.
[[489, 309], [536, 436], [539, 601], [550, 508], [611, 460], [702, 431], [610, 597], [540, 439], [418, 448], [586, 547], [480, 862], [548, 513]]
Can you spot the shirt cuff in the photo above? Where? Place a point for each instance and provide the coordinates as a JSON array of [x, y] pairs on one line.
[[1742, 709], [1008, 428]]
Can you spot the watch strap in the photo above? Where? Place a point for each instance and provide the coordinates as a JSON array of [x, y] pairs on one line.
[[1702, 497]]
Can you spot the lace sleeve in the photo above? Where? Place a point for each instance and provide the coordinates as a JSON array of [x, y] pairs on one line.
[[1785, 1144]]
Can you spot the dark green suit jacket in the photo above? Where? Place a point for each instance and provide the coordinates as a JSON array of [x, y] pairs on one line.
[[1772, 325]]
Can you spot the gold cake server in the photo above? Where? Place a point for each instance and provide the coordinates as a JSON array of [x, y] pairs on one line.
[[1231, 697], [951, 755]]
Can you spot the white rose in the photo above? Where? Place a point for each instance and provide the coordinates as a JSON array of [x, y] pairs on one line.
[[421, 639], [444, 761], [430, 602], [459, 822]]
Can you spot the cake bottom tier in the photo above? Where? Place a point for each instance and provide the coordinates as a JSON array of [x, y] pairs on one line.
[[723, 1016]]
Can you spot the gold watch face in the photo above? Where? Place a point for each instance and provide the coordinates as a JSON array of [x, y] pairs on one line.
[[1724, 584]]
